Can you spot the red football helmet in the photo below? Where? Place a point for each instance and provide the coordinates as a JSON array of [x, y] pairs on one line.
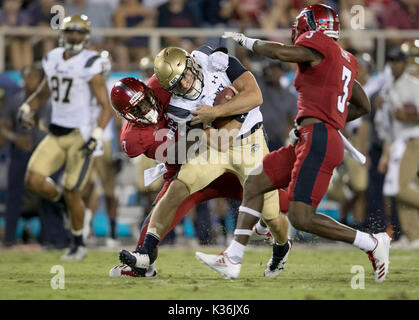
[[136, 102], [317, 17]]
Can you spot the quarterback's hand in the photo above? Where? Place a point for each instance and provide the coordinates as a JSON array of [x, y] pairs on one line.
[[25, 116], [89, 147], [293, 137], [203, 114]]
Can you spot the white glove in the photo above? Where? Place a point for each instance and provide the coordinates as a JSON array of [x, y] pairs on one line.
[[240, 38], [26, 117], [293, 137]]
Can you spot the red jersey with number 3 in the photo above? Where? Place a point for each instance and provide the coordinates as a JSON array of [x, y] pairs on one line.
[[324, 89]]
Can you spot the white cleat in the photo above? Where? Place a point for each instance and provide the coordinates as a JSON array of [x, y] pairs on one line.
[[380, 256], [220, 263], [256, 236], [275, 265], [75, 253], [125, 271]]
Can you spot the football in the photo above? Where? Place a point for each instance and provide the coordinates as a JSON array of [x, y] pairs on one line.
[[220, 99]]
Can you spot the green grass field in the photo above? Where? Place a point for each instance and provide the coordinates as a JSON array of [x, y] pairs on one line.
[[318, 272]]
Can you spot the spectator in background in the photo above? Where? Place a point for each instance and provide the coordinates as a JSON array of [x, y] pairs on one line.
[[146, 66], [211, 12], [178, 14], [279, 106], [22, 142], [40, 15], [401, 150], [379, 217], [19, 48], [361, 43], [399, 15], [244, 13], [279, 15], [132, 13]]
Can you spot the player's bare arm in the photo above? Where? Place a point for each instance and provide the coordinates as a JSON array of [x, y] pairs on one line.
[[40, 96], [287, 53], [32, 104], [100, 91], [359, 104], [277, 50]]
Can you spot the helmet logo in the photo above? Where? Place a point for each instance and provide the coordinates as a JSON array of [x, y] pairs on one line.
[[174, 80], [136, 98], [310, 20]]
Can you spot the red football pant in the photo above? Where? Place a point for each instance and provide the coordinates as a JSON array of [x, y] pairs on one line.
[[307, 168], [225, 186]]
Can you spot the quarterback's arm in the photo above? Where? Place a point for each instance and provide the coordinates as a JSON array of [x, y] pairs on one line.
[[249, 97], [359, 104]]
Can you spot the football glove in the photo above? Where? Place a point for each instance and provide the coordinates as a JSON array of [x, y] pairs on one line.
[[240, 38], [89, 147], [25, 116], [293, 137]]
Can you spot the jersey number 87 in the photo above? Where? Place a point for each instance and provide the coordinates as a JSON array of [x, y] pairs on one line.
[[66, 84]]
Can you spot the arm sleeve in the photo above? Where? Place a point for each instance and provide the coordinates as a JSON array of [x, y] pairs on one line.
[[235, 68], [132, 142], [162, 94]]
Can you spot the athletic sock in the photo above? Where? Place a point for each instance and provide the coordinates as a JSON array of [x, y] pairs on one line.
[[261, 229], [112, 223], [280, 250], [365, 241], [78, 240], [235, 251], [150, 243]]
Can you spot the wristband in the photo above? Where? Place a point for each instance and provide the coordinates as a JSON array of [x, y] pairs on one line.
[[26, 108], [249, 42], [97, 133]]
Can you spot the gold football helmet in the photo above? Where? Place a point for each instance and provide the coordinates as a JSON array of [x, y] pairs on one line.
[[173, 64], [78, 23]]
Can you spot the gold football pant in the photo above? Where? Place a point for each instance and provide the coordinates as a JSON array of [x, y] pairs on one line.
[[240, 159], [53, 152]]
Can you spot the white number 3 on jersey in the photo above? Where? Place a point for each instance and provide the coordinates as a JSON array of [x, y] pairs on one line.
[[342, 99]]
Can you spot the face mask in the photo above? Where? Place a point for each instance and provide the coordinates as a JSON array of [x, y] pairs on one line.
[[195, 91], [152, 116]]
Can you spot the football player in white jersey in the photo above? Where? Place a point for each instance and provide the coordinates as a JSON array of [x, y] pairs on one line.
[[195, 80], [73, 76]]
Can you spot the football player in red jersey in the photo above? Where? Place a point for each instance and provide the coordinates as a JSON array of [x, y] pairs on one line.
[[144, 107], [325, 82]]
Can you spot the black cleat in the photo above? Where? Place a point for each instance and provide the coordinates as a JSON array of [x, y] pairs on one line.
[[128, 258]]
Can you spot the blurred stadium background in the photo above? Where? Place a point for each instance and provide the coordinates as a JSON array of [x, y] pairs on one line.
[[131, 32]]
